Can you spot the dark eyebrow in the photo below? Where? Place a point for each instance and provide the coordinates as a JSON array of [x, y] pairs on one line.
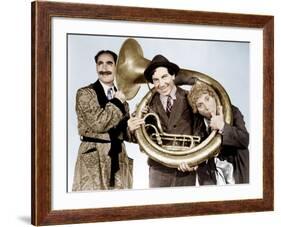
[[100, 62], [107, 62]]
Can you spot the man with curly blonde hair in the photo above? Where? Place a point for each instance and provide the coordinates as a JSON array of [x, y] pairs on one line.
[[232, 164]]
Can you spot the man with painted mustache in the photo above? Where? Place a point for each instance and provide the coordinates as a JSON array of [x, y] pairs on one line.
[[102, 114]]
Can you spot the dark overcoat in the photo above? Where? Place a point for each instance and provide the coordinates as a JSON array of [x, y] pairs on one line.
[[234, 149]]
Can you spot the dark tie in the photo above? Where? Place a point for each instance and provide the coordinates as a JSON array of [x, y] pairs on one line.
[[169, 105], [109, 93]]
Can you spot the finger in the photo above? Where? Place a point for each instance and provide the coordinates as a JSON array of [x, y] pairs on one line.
[[213, 114], [136, 127], [144, 110], [138, 120], [133, 114], [180, 167], [193, 168], [186, 167], [138, 123], [212, 126], [220, 112]]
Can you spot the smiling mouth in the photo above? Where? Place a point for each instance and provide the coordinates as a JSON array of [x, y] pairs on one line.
[[163, 89]]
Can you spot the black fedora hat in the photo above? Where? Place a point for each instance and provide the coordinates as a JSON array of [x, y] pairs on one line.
[[158, 61]]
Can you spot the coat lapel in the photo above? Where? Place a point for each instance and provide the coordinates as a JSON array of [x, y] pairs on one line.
[[100, 93], [177, 108], [199, 127], [160, 110]]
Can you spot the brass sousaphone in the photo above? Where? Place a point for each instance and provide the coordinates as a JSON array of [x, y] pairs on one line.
[[130, 68]]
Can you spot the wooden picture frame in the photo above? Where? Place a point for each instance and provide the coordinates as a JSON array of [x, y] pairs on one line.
[[42, 13]]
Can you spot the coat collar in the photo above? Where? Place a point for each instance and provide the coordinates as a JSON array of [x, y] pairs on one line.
[[102, 99]]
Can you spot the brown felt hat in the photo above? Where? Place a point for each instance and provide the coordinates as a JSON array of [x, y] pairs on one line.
[[158, 61]]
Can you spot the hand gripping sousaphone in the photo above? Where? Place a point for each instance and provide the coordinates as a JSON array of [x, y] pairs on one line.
[[130, 68]]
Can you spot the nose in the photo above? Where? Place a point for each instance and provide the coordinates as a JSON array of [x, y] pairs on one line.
[[104, 67], [161, 83], [204, 107]]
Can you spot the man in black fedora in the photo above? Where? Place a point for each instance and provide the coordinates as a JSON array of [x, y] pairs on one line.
[[171, 105]]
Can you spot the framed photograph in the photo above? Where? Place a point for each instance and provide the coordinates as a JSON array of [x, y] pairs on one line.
[[237, 50]]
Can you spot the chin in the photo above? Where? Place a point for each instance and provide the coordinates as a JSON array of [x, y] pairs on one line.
[[160, 92], [107, 80], [166, 92]]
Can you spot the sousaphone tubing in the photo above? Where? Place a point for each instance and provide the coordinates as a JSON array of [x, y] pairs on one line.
[[151, 137]]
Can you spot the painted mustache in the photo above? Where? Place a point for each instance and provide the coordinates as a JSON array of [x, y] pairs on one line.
[[105, 72]]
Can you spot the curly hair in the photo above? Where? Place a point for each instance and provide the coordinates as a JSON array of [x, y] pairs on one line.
[[196, 91]]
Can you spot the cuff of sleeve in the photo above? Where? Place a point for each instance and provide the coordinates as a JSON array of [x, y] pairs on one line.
[[221, 131], [131, 136], [226, 129], [119, 104]]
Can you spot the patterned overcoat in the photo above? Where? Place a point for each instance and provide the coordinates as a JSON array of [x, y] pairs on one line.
[[96, 118]]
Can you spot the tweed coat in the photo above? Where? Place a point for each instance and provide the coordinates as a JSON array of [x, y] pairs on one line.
[[234, 149], [96, 117], [179, 122]]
